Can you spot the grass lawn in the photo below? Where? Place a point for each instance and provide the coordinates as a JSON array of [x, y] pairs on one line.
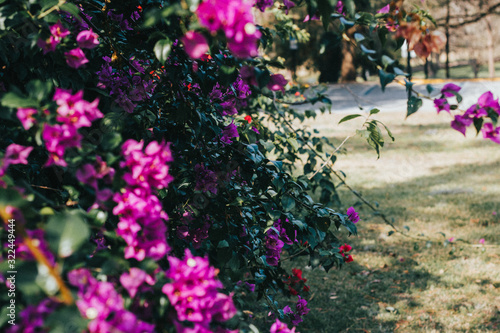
[[431, 180]]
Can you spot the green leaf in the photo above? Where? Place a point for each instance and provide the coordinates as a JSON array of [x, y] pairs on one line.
[[66, 232], [72, 9], [414, 103], [38, 90], [374, 111], [349, 117], [429, 88], [387, 61], [293, 142], [359, 37], [367, 50], [162, 49], [13, 100], [288, 203], [385, 78]]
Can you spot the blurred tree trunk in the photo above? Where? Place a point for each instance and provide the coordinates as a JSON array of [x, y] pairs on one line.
[[490, 46], [348, 68]]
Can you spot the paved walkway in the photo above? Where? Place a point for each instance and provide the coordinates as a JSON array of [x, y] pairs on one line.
[[350, 97]]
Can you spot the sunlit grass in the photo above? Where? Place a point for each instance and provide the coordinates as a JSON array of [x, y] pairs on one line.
[[433, 181]]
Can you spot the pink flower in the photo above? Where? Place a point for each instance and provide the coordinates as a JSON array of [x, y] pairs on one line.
[[195, 44], [134, 279], [57, 139], [490, 132], [87, 175], [449, 89], [451, 239], [279, 327], [58, 31], [482, 241], [25, 116], [48, 45], [352, 215], [277, 82], [486, 101], [384, 10], [87, 39], [74, 110], [16, 154], [75, 58]]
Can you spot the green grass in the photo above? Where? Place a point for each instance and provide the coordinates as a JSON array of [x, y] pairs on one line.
[[431, 180], [460, 72]]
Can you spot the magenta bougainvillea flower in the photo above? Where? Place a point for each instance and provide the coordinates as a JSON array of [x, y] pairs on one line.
[[87, 39], [274, 245], [134, 279], [75, 58], [100, 303], [206, 179], [194, 293], [25, 116], [263, 4], [288, 5], [16, 154], [279, 327], [486, 101], [142, 219], [32, 318], [449, 89], [277, 82], [47, 45], [352, 215], [59, 31], [195, 44], [57, 139], [235, 18], [384, 10], [461, 122], [301, 310], [490, 132], [441, 104]]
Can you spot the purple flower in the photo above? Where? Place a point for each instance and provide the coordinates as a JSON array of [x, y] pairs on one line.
[[450, 89], [87, 39], [263, 4], [475, 111], [288, 5], [482, 241], [460, 123], [228, 133], [33, 316], [75, 58], [441, 104], [486, 101], [352, 215], [195, 44], [340, 7], [206, 179], [300, 311], [274, 245], [277, 82], [490, 132], [48, 45]]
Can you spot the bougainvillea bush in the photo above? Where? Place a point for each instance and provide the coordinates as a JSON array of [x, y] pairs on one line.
[[148, 177]]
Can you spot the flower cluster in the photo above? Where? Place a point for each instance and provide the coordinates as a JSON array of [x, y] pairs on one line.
[[231, 99], [33, 316], [75, 58], [486, 106], [296, 283], [194, 294], [125, 86], [193, 232], [134, 280], [141, 214], [73, 113], [206, 179], [301, 310], [235, 18], [274, 245], [100, 303], [343, 249]]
